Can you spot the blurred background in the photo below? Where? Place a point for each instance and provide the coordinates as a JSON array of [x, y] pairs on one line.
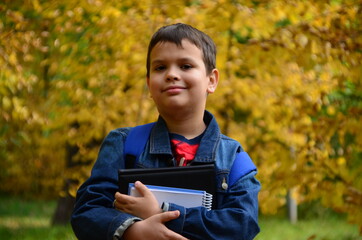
[[290, 91]]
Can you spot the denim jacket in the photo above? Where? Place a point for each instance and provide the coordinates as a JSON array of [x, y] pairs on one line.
[[236, 213]]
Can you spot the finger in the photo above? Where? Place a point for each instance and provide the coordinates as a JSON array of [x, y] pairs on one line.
[[123, 198], [142, 189], [168, 216], [179, 237], [124, 201], [175, 236], [117, 195]]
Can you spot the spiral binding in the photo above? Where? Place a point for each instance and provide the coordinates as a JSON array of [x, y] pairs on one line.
[[207, 200]]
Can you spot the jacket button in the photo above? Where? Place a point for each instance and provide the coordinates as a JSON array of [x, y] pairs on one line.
[[224, 185]]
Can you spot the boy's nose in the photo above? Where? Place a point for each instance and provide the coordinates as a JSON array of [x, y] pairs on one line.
[[172, 75], [172, 78]]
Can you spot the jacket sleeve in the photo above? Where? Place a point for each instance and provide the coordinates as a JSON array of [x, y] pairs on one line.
[[93, 216], [236, 216]]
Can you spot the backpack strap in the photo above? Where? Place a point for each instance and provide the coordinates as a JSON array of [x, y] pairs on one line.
[[242, 165], [135, 143]]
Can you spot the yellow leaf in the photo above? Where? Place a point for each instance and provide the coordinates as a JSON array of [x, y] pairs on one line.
[[341, 161], [331, 110], [6, 103], [36, 5], [302, 40], [13, 59]]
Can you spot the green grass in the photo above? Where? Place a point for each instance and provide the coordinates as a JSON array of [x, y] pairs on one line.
[[30, 220], [330, 227]]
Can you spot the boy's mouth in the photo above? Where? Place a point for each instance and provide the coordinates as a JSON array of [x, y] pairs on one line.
[[173, 89]]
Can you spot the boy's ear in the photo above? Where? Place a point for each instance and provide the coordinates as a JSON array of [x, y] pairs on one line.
[[213, 81]]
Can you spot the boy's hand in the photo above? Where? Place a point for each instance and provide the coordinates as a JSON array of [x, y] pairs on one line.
[[142, 207], [153, 228]]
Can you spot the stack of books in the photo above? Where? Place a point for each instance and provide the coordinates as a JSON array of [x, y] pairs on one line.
[[190, 186]]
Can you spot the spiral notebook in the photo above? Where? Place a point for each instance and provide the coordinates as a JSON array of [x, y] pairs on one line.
[[180, 196]]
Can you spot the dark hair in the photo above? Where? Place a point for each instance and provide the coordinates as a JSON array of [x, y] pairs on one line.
[[176, 33]]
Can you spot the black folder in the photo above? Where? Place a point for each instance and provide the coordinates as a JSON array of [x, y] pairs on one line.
[[199, 177]]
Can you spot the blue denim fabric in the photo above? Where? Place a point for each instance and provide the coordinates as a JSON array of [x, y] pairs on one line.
[[236, 213]]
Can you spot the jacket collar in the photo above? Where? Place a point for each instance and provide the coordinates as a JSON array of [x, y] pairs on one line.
[[160, 141]]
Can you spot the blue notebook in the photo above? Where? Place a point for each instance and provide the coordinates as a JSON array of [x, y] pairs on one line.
[[180, 196]]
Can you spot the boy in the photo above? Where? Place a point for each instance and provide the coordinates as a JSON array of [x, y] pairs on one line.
[[181, 73]]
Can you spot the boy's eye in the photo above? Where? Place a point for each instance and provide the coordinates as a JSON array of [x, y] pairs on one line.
[[160, 68], [186, 66]]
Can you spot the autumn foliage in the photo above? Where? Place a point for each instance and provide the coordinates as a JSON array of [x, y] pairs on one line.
[[290, 89]]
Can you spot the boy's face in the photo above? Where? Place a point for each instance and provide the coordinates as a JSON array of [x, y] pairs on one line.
[[178, 78]]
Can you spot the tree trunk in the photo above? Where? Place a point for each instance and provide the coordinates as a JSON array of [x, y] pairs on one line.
[[66, 203], [292, 207], [63, 211]]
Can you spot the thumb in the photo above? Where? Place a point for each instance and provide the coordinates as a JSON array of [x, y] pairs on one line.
[[168, 216], [141, 188]]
